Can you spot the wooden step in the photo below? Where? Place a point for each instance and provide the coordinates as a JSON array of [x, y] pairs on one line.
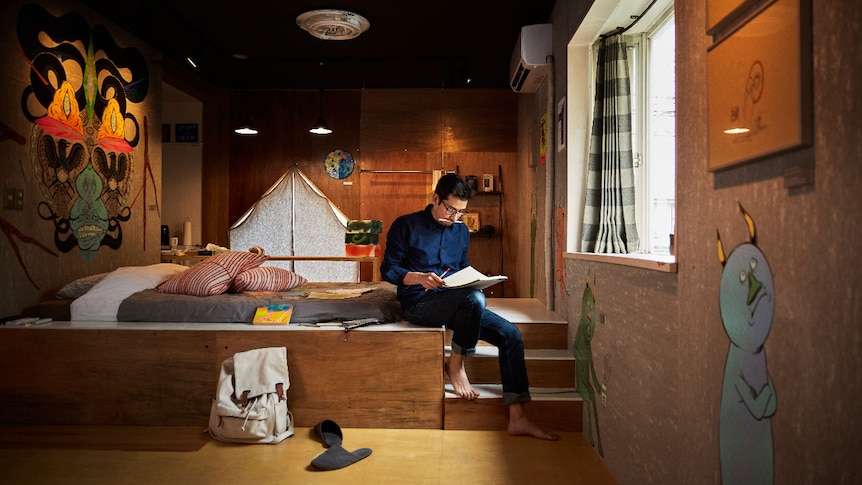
[[545, 367], [553, 408], [535, 336], [540, 328], [523, 310]]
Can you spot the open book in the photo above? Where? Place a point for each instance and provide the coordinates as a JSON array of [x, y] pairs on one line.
[[469, 277]]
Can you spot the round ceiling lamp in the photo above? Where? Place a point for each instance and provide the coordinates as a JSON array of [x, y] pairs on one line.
[[328, 24]]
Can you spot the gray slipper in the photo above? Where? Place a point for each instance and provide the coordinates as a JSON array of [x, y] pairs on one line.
[[337, 457], [329, 432]]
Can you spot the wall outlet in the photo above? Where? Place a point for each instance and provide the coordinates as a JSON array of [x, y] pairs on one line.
[[8, 198], [19, 199]]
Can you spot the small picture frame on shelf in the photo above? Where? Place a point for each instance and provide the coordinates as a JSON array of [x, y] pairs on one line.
[[471, 220]]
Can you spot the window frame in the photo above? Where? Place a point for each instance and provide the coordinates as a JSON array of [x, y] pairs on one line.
[[646, 260]]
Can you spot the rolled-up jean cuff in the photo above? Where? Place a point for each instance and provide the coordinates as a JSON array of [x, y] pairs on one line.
[[513, 397], [457, 349]]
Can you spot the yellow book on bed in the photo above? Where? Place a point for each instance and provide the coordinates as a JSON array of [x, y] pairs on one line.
[[276, 314]]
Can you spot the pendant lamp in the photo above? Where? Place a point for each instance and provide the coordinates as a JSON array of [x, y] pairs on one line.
[[245, 128], [320, 127]]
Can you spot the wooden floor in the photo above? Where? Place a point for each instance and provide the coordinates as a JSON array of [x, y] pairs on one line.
[[161, 455]]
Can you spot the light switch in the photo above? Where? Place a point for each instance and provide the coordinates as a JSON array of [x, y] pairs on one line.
[[8, 198]]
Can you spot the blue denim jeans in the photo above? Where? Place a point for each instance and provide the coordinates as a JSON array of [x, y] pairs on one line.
[[463, 311]]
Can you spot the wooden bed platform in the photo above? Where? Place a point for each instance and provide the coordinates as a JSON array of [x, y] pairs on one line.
[[165, 374]]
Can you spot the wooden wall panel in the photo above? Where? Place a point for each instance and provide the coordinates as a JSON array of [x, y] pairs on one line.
[[402, 120], [480, 121], [484, 254], [283, 118], [468, 131], [151, 377]]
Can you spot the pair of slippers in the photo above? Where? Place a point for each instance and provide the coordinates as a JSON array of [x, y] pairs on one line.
[[336, 456]]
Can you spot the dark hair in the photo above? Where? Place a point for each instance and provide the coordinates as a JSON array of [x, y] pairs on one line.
[[453, 184]]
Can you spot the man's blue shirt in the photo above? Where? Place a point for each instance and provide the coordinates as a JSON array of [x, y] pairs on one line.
[[416, 242]]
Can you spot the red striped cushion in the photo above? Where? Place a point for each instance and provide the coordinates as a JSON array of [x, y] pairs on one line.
[[266, 278], [212, 276]]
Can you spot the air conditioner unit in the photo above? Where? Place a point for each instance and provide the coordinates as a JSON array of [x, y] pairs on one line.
[[529, 66]]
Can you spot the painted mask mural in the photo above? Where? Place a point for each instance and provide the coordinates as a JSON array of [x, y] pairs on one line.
[[748, 398], [82, 86]]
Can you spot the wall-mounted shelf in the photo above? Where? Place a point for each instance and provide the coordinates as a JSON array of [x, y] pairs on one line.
[[492, 204]]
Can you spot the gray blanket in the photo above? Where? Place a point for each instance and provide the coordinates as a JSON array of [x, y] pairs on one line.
[[152, 306]]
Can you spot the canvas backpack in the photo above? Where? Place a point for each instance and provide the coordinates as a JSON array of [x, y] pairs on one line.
[[250, 405]]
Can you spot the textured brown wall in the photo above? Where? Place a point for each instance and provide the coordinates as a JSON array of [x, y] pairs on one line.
[[663, 332], [24, 228]]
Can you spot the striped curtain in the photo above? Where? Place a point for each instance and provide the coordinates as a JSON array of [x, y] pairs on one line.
[[609, 214]]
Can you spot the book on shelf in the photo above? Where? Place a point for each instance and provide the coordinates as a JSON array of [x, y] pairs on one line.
[[275, 314], [470, 277], [361, 322], [471, 220], [277, 295]]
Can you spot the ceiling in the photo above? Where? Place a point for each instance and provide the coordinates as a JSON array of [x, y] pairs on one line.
[[258, 45]]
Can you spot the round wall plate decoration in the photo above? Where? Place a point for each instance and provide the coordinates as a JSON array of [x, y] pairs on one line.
[[339, 164]]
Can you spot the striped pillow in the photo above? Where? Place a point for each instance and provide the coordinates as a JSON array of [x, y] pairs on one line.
[[266, 278], [213, 275]]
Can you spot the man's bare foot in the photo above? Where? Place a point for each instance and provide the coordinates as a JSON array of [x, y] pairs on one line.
[[458, 377], [520, 424]]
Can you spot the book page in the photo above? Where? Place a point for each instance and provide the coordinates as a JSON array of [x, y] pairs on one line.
[[472, 278]]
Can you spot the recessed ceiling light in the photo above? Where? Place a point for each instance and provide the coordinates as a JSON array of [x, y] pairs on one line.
[[328, 24]]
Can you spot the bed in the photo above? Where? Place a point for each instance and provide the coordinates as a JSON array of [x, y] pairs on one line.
[[374, 300], [227, 288]]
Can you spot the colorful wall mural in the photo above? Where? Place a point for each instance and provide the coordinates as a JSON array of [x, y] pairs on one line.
[[81, 88], [748, 398], [585, 369]]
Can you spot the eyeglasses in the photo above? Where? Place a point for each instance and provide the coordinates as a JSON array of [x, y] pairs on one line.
[[453, 211]]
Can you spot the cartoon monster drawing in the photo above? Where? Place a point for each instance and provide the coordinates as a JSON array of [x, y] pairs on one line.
[[584, 368], [748, 399]]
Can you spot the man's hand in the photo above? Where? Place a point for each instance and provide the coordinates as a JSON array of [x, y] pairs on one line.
[[429, 281]]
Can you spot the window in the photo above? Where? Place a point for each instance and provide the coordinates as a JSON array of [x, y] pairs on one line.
[[651, 42], [654, 134]]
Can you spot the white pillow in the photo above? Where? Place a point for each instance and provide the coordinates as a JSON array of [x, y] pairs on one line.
[[101, 303], [78, 287]]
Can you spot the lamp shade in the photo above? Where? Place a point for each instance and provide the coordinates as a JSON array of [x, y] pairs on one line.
[[246, 128], [320, 128]]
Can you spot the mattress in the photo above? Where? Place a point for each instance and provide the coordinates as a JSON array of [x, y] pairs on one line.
[[376, 300]]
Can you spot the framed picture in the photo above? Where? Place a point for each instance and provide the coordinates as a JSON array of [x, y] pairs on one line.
[[166, 133], [543, 138], [561, 124], [760, 87], [471, 220], [186, 133], [721, 13]]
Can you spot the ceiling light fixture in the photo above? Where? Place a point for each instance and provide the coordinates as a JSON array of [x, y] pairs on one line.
[[193, 58], [246, 128], [328, 24], [320, 128]]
